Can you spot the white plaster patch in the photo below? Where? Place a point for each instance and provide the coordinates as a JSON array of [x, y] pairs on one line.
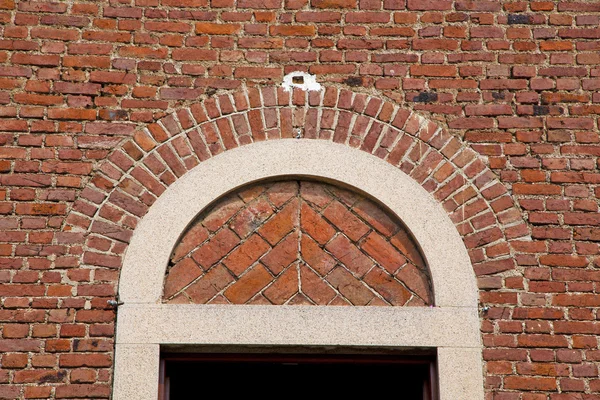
[[300, 80]]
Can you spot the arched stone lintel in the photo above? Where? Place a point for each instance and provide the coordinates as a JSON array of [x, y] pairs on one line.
[[147, 257]]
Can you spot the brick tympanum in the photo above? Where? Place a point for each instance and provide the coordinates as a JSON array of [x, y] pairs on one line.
[[297, 243]]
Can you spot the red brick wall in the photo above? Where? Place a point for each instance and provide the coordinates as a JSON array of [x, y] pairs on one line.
[[297, 243], [514, 82]]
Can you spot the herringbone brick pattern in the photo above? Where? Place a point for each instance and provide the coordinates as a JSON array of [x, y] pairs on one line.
[[297, 242]]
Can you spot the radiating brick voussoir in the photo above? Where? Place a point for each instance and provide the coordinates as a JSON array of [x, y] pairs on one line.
[[453, 173]]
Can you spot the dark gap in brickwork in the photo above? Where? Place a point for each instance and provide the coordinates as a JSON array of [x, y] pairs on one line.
[[353, 81], [425, 97], [518, 19], [541, 110]]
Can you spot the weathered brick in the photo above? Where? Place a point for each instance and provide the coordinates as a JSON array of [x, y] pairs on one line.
[[281, 224], [348, 223], [383, 252], [349, 255], [180, 275], [246, 254], [248, 285], [217, 247]]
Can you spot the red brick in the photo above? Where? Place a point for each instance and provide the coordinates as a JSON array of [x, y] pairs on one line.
[[417, 281], [436, 44], [258, 43], [542, 341], [194, 55], [292, 30], [284, 287], [257, 72], [564, 260], [348, 223], [340, 4], [33, 376], [314, 287], [349, 255], [434, 70], [216, 248], [280, 192], [282, 255], [192, 238], [350, 287], [383, 252], [248, 285], [84, 360], [41, 60], [376, 217], [315, 194], [529, 383], [390, 289], [209, 285], [180, 275], [223, 212], [267, 4], [14, 360], [315, 256], [246, 254], [314, 225], [281, 224], [33, 392], [83, 390]]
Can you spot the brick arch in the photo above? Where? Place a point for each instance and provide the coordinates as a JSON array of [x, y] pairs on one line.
[[138, 172]]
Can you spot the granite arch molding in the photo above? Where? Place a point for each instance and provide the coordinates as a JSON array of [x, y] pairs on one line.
[[145, 325]]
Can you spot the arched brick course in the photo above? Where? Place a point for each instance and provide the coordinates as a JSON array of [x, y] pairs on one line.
[[135, 174]]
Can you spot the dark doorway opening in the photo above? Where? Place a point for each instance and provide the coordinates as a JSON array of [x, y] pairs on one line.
[[194, 376]]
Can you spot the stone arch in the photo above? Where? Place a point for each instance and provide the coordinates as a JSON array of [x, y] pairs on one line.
[[138, 172], [159, 231]]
